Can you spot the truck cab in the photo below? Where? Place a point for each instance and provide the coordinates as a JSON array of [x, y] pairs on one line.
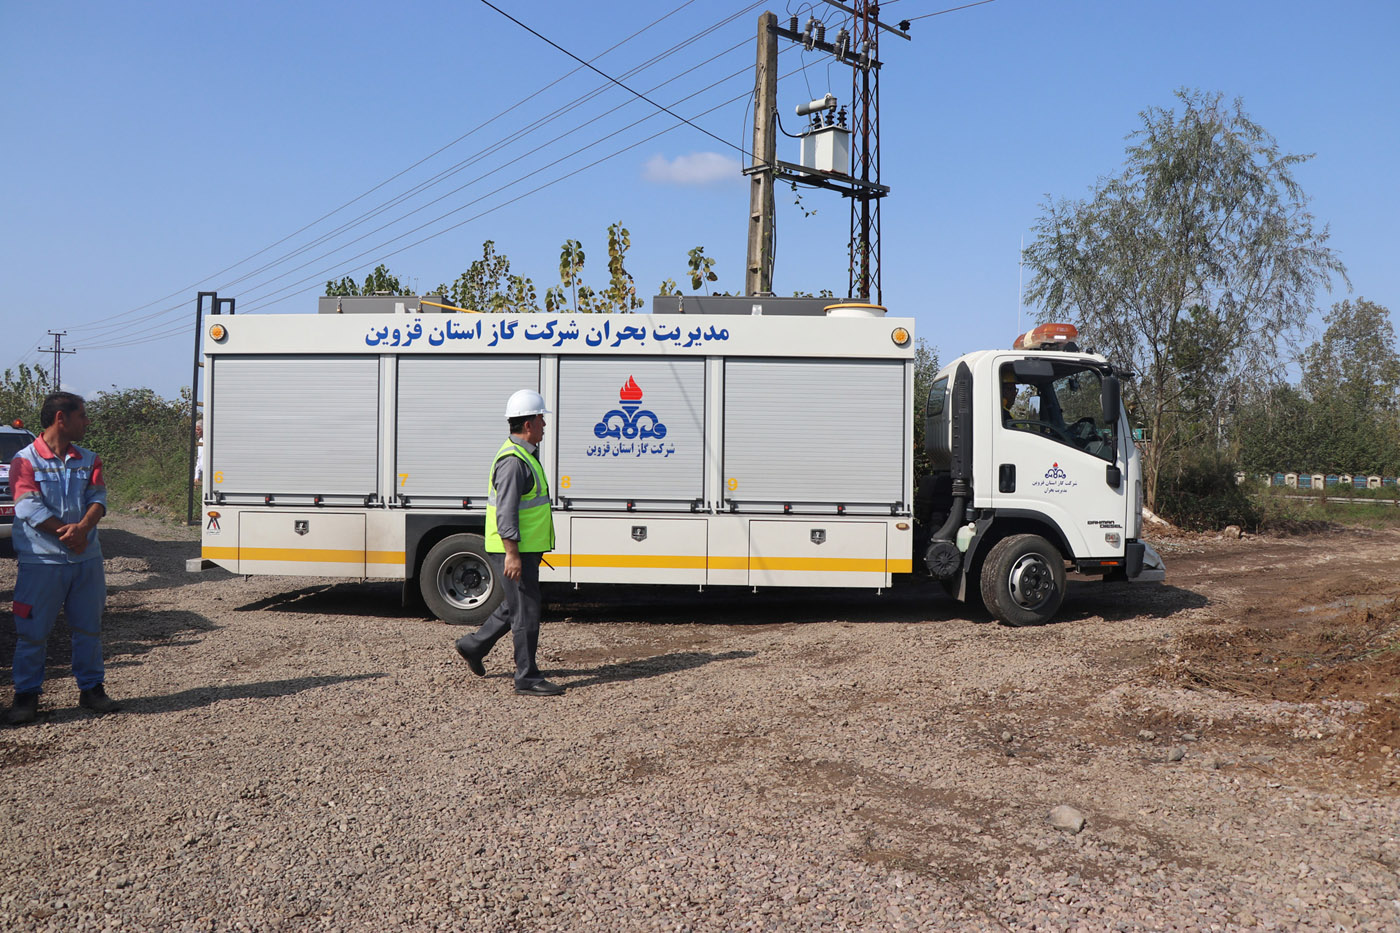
[[1034, 472], [13, 438]]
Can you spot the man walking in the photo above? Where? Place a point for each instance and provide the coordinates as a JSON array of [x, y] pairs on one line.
[[519, 530], [60, 496]]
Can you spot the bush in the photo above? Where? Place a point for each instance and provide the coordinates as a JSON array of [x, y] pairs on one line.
[[143, 440], [1197, 491]]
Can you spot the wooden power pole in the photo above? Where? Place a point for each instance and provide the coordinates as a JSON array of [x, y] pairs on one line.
[[758, 278]]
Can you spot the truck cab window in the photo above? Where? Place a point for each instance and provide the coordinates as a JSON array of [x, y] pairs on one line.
[[1064, 407]]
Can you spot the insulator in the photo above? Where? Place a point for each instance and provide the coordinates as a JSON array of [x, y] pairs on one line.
[[841, 117], [807, 36], [792, 23], [821, 33], [843, 41]]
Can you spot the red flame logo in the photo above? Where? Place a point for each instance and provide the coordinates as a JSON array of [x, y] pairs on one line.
[[631, 392]]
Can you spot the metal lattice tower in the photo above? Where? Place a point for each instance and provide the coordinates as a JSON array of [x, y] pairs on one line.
[[865, 154]]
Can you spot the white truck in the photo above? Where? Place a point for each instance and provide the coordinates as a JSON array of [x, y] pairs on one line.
[[760, 442], [13, 439]]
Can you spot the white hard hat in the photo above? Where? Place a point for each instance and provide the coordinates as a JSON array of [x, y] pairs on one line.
[[524, 403]]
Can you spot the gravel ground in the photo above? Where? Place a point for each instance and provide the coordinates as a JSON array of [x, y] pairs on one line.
[[304, 754]]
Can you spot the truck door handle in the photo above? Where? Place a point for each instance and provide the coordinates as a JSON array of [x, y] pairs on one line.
[[1006, 477]]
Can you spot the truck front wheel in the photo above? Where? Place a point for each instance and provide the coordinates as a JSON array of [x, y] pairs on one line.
[[1023, 580], [458, 580]]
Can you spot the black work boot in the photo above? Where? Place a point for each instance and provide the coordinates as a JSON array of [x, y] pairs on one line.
[[25, 708], [97, 700]]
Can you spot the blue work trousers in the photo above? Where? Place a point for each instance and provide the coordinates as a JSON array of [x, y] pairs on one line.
[[41, 590]]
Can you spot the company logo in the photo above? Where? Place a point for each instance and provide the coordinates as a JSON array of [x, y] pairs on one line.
[[1056, 481], [630, 419]]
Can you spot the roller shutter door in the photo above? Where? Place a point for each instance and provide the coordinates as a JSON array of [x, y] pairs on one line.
[[285, 425], [814, 431], [451, 421]]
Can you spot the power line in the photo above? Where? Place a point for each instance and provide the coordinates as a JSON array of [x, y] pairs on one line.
[[475, 129], [265, 299], [119, 339], [965, 6], [556, 45], [133, 328]]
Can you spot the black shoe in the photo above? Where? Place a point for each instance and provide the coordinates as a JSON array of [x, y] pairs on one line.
[[24, 710], [98, 701], [471, 657], [540, 688]]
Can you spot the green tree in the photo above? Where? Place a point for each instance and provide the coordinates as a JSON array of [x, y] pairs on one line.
[[571, 259], [379, 282], [702, 270], [1204, 238], [925, 369], [1351, 378], [1355, 358], [489, 285], [22, 392], [621, 293]]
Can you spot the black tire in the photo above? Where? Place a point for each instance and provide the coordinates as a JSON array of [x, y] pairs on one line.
[[458, 581], [1023, 580]]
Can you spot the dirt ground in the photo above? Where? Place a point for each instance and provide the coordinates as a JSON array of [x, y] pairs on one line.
[[307, 754]]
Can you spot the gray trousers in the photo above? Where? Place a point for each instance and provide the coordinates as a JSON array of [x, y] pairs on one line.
[[519, 614]]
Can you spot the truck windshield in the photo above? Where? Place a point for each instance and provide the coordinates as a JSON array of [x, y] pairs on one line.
[[11, 444], [1065, 406]]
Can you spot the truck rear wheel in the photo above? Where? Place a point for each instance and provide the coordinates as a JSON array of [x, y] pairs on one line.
[[458, 581], [1023, 580]]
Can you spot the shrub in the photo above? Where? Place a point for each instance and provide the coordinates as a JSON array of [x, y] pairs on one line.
[[1197, 491], [143, 440]]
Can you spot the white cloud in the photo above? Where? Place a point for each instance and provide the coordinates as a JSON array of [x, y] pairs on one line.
[[697, 168]]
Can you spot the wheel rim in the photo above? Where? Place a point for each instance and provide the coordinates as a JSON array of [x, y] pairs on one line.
[[464, 581], [1031, 581]]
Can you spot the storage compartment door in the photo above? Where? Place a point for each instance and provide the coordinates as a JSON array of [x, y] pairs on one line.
[[284, 425], [817, 553], [814, 432], [320, 544], [638, 550], [451, 422]]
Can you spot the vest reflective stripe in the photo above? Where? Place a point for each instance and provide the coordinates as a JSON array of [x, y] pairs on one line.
[[536, 523]]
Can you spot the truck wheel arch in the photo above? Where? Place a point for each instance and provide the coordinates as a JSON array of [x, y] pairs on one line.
[[1007, 522], [421, 532]]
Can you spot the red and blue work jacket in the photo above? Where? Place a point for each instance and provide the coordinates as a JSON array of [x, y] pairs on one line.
[[45, 486]]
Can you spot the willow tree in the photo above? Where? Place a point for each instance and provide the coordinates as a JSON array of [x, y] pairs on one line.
[[1196, 267]]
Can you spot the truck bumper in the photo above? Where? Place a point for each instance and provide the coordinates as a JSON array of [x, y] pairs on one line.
[[1144, 563]]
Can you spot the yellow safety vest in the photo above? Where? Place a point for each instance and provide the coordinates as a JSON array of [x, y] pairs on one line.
[[536, 522]]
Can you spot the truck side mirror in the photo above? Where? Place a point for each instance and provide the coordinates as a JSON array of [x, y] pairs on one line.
[[1112, 401]]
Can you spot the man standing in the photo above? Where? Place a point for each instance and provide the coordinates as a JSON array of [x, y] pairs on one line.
[[519, 530], [59, 498]]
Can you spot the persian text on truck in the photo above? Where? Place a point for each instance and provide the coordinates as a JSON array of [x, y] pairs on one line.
[[764, 442]]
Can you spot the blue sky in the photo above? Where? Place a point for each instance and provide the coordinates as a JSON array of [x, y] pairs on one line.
[[151, 145]]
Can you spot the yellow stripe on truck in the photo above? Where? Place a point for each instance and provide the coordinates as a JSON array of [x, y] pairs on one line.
[[679, 562], [559, 561], [308, 555]]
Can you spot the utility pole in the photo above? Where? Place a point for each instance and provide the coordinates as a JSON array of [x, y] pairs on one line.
[[758, 277], [859, 49], [57, 351]]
